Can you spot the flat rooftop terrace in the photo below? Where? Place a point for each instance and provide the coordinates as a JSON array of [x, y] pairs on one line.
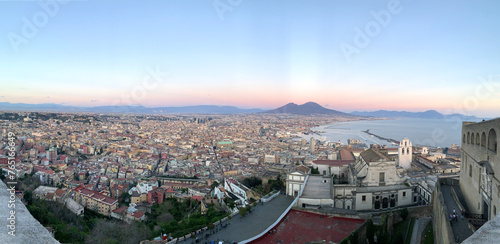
[[318, 187]]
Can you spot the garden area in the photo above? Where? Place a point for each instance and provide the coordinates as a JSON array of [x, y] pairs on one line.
[[91, 228], [181, 217]]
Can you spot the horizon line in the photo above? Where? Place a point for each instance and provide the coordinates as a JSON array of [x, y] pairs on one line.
[[246, 108]]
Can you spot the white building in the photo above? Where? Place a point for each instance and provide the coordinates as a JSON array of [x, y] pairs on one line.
[[146, 186], [295, 180], [372, 168], [74, 207], [405, 154], [375, 183]]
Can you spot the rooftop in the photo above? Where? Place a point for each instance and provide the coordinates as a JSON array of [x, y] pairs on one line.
[[317, 187], [334, 163], [303, 227], [371, 155], [346, 154]]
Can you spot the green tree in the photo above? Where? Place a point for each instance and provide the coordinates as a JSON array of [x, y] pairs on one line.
[[243, 211], [252, 182], [404, 213], [124, 197], [230, 202], [214, 185]]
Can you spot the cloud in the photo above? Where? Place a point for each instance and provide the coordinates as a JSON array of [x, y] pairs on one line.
[[47, 97], [94, 101]]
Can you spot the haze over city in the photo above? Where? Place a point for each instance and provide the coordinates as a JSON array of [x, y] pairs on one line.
[[344, 55]]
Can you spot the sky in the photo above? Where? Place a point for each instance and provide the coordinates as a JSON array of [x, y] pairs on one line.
[[343, 54]]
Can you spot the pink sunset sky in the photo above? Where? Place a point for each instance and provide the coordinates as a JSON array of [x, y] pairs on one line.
[[259, 55]]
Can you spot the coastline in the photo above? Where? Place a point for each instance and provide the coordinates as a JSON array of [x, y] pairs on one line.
[[433, 133]]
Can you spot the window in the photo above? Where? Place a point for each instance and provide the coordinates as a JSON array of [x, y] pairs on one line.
[[472, 139], [492, 140], [483, 139], [477, 139], [470, 170], [468, 137], [404, 194], [463, 138], [363, 198]]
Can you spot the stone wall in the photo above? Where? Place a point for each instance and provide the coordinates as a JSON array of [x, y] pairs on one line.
[[440, 222], [26, 228], [480, 144], [420, 211]]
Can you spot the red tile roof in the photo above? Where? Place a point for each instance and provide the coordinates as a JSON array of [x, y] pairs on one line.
[[197, 198], [120, 210], [96, 195], [333, 163], [304, 227], [138, 214], [346, 154], [59, 192]]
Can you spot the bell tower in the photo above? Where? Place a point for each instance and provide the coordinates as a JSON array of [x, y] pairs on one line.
[[405, 153]]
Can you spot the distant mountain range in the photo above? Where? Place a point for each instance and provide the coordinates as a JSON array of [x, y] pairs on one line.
[[307, 109], [429, 114], [134, 109]]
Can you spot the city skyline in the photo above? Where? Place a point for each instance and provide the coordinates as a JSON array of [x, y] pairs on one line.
[[345, 56]]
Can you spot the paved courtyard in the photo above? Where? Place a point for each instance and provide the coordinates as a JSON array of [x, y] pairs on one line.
[[460, 228], [242, 228]]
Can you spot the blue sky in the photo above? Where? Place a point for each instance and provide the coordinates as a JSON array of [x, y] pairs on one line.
[[429, 55]]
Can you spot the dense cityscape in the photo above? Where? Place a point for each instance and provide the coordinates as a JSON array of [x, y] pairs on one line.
[[193, 178]]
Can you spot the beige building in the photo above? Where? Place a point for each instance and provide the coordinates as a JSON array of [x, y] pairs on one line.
[[480, 161], [95, 201]]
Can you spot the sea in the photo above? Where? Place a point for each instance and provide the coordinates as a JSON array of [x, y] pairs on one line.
[[433, 133]]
